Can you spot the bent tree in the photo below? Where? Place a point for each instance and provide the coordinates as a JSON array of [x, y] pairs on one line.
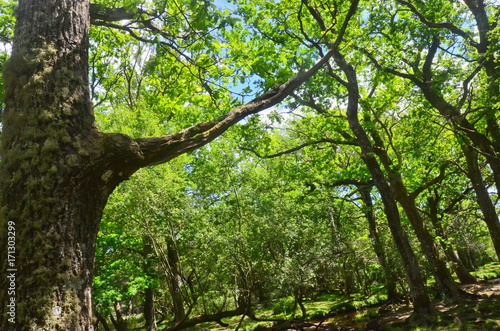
[[58, 168]]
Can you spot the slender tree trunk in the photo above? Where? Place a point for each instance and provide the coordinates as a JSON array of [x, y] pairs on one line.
[[349, 283], [347, 273], [420, 298], [149, 298], [378, 247], [441, 274], [467, 256], [490, 216], [103, 321], [175, 290], [120, 323], [462, 273]]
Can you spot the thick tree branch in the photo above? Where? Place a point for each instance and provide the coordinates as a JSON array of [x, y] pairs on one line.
[[427, 69], [162, 149], [101, 13], [479, 11]]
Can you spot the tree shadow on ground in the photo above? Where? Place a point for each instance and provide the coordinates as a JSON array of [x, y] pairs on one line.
[[479, 311]]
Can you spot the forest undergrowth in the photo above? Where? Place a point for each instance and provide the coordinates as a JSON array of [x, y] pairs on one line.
[[477, 309]]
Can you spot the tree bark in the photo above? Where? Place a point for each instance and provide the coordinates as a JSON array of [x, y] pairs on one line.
[[490, 216], [378, 246], [53, 188], [149, 297], [420, 298], [462, 273], [120, 323], [103, 321], [442, 276], [175, 290]]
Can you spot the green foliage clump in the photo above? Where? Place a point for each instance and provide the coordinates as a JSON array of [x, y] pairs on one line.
[[284, 306]]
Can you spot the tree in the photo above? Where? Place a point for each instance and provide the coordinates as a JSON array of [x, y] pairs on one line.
[[472, 116], [58, 168]]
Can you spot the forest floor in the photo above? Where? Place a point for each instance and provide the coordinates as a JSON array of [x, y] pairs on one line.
[[480, 311], [477, 310]]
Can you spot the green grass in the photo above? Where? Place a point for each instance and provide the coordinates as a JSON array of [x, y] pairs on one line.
[[357, 309], [488, 271]]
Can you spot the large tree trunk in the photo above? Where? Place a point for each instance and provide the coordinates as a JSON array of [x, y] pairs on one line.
[[54, 186], [419, 296]]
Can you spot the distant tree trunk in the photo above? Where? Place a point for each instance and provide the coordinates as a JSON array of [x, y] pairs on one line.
[[120, 323], [175, 290], [462, 273], [467, 256], [347, 274], [299, 297], [378, 247], [420, 299], [443, 277], [149, 298], [441, 274], [349, 283]]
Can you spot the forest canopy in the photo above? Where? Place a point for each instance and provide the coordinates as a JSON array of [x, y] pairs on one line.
[[227, 157]]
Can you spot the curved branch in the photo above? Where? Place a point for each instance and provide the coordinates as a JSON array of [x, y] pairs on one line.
[[431, 182], [162, 149], [297, 148], [452, 28], [427, 69]]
